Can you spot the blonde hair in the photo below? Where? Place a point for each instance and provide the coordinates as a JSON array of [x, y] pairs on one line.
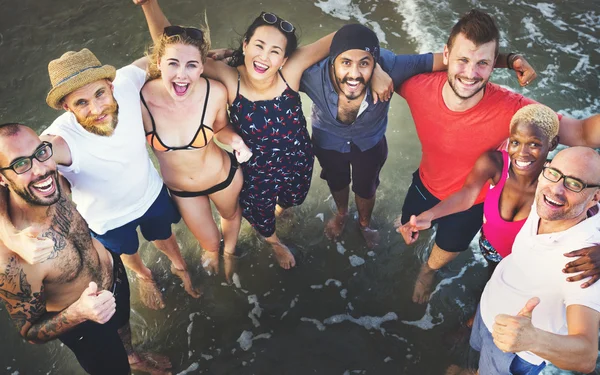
[[157, 50], [538, 115]]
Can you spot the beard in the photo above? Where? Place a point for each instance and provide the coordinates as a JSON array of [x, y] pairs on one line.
[[451, 80], [105, 128], [352, 95], [28, 195]]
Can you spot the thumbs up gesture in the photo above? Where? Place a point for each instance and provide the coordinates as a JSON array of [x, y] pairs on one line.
[[31, 245], [516, 333]]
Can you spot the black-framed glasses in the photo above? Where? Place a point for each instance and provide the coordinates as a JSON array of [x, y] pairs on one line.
[[272, 19], [571, 183], [24, 164], [190, 32]]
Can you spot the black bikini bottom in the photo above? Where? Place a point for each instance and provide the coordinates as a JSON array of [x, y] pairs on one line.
[[218, 187]]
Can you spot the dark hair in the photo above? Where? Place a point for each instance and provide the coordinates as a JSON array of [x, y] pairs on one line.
[[9, 129], [237, 57], [476, 26]]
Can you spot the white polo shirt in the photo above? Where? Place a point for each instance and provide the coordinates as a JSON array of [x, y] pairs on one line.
[[534, 269]]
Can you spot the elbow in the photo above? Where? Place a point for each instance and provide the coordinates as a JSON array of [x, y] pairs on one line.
[[588, 365], [585, 365], [33, 340]]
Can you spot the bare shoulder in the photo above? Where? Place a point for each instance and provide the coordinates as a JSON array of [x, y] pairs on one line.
[[496, 158], [218, 91]]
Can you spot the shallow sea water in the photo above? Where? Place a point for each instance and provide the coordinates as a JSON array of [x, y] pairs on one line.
[[344, 309]]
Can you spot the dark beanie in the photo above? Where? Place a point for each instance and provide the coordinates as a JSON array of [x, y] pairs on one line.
[[354, 36]]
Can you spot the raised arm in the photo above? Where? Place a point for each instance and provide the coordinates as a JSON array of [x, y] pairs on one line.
[[488, 167], [303, 58], [156, 19]]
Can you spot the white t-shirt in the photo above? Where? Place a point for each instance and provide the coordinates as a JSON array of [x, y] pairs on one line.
[[534, 269], [112, 179]]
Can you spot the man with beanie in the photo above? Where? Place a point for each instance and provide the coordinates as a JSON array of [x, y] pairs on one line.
[[348, 126]]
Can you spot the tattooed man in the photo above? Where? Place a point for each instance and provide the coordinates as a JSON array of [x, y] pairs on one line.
[[79, 293]]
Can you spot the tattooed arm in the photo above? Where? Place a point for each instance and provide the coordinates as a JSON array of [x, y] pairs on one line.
[[26, 305]]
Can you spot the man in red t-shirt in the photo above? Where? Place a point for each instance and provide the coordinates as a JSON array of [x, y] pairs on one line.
[[458, 116]]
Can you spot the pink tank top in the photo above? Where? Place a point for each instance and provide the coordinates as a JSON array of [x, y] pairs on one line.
[[499, 232]]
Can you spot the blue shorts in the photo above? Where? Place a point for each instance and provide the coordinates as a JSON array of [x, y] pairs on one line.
[[155, 224], [493, 361]]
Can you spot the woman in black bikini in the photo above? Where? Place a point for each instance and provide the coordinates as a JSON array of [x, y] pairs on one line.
[[182, 113]]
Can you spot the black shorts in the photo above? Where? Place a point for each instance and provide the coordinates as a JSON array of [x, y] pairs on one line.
[[454, 232], [98, 347], [366, 165]]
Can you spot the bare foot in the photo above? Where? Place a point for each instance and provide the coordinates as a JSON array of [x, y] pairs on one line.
[[424, 284], [184, 275], [283, 255], [153, 363], [150, 294], [210, 262], [371, 236], [335, 226], [230, 266]]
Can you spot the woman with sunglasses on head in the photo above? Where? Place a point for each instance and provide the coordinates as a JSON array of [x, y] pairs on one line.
[[513, 175], [262, 85], [182, 112], [263, 78], [262, 82]]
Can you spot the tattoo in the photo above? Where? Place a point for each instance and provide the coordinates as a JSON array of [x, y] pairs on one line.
[[49, 327], [125, 334], [62, 216], [23, 305]]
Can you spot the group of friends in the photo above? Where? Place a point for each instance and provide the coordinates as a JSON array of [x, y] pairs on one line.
[[74, 196]]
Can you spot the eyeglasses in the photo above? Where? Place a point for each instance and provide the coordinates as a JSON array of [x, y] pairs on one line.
[[571, 183], [190, 32], [24, 164], [272, 19]]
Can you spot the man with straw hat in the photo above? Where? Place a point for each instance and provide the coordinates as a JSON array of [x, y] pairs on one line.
[[99, 146]]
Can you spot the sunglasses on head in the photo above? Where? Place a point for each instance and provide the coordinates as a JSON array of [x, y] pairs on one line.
[[272, 19], [190, 32]]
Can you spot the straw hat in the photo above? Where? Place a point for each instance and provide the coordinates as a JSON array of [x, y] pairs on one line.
[[72, 71]]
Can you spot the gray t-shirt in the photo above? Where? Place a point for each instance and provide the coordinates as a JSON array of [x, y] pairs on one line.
[[370, 125]]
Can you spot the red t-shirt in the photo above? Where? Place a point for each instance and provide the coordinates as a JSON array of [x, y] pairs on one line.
[[452, 141]]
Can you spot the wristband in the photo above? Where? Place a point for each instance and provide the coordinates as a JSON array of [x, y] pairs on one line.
[[510, 59]]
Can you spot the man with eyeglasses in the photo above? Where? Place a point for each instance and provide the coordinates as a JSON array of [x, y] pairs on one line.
[[529, 313], [79, 293], [449, 108], [100, 147]]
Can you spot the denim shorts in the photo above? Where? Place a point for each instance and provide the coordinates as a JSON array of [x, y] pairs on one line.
[[493, 361]]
